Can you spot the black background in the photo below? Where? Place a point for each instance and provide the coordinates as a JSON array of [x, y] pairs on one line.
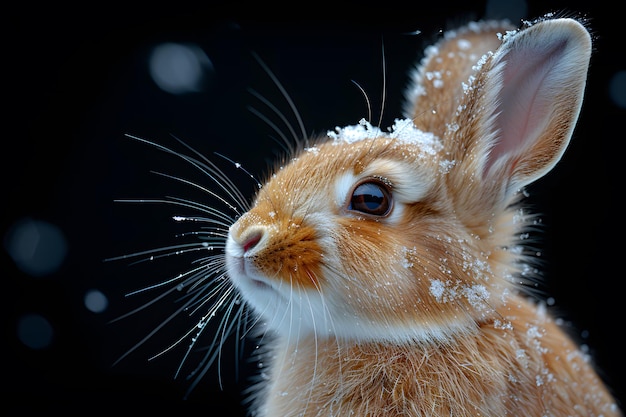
[[75, 81]]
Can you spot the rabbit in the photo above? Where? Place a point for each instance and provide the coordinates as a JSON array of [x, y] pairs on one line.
[[386, 268]]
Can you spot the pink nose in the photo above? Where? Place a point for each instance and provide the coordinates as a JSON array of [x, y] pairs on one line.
[[252, 241]]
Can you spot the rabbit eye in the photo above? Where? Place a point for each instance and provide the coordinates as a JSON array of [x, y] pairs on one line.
[[371, 197]]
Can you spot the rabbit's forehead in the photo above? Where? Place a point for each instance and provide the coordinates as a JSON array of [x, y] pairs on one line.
[[330, 171]]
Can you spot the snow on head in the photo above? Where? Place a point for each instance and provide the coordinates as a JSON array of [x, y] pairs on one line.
[[355, 133], [403, 130]]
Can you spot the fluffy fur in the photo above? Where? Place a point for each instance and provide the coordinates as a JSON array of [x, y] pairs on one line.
[[387, 264]]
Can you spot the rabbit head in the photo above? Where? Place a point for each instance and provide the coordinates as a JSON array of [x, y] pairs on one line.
[[413, 232]]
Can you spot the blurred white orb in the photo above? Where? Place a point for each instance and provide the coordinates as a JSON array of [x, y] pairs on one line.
[[37, 247], [179, 69]]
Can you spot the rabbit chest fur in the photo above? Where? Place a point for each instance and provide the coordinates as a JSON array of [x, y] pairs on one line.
[[387, 264]]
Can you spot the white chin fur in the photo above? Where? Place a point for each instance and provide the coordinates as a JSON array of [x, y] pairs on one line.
[[295, 314], [305, 313]]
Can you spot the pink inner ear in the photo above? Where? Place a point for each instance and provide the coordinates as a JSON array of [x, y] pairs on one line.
[[530, 80]]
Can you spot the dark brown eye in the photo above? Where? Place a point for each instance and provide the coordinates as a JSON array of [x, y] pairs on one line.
[[371, 197]]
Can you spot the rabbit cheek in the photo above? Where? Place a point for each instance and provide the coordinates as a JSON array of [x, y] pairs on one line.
[[374, 269]]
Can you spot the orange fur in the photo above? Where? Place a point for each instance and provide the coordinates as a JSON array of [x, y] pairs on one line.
[[417, 311], [517, 364]]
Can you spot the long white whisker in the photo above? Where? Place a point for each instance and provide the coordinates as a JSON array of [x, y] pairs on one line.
[[367, 100], [151, 333], [224, 333], [205, 288], [204, 189], [207, 296], [314, 377], [242, 320], [184, 203], [239, 166], [217, 174], [213, 354], [284, 93], [288, 143], [201, 325], [143, 306], [284, 143], [179, 287], [192, 273], [208, 168], [171, 250], [384, 92]]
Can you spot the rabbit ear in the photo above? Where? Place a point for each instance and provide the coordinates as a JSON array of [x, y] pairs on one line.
[[437, 82], [517, 116]]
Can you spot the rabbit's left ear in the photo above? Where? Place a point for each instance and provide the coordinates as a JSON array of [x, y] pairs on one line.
[[517, 117]]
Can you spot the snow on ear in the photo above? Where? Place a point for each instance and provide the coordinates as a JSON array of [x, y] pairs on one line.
[[534, 90], [436, 84]]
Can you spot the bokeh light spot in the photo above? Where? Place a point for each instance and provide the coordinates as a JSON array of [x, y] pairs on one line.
[[617, 88], [34, 331], [37, 247], [179, 69], [96, 301]]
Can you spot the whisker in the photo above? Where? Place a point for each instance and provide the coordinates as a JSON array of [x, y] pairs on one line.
[[257, 319], [153, 331], [367, 100], [226, 318], [194, 274], [329, 318], [143, 306], [314, 376], [384, 92], [212, 355], [176, 201], [201, 325], [286, 142], [223, 282], [243, 320], [173, 250], [204, 189], [284, 93], [217, 174], [179, 287], [226, 219], [208, 168], [204, 287], [239, 166]]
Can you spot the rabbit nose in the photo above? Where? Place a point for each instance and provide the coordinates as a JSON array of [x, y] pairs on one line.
[[252, 240]]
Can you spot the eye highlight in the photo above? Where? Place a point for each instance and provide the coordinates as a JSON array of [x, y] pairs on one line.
[[371, 197]]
